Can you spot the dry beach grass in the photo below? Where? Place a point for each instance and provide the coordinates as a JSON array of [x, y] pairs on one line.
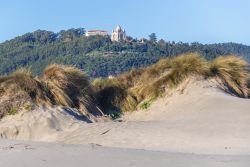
[[59, 85], [69, 87], [134, 88]]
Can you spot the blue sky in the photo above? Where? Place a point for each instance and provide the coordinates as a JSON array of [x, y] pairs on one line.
[[205, 21]]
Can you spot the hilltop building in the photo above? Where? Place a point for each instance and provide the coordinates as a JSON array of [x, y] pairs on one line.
[[96, 32], [118, 34]]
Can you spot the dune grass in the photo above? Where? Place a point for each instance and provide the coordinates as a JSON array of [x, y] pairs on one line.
[[59, 85], [69, 87], [23, 80], [17, 89], [233, 72], [130, 90]]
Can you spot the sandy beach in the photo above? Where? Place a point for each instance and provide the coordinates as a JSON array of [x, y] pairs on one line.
[[197, 124], [29, 154]]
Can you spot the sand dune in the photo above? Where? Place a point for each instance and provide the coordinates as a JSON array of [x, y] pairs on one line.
[[198, 117]]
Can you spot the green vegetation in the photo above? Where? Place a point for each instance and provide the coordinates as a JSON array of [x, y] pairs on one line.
[[28, 107], [12, 111], [97, 55], [146, 104]]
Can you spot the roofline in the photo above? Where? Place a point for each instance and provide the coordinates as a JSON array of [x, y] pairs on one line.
[[97, 31]]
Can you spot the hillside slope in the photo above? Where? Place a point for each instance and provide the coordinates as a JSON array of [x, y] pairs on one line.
[[98, 56]]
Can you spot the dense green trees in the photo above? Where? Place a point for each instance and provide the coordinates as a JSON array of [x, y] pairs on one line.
[[97, 55]]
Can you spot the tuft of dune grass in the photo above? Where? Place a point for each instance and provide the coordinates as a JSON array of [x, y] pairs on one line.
[[172, 72], [23, 79], [70, 87], [233, 72], [19, 89]]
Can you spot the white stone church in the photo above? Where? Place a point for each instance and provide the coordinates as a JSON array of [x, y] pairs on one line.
[[118, 34]]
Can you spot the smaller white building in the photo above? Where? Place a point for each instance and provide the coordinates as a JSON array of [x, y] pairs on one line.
[[96, 32]]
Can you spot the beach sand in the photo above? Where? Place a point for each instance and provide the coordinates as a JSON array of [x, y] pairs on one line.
[[197, 124]]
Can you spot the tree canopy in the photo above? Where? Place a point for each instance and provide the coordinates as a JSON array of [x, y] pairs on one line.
[[152, 37]]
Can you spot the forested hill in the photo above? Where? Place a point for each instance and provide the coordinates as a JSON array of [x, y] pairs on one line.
[[97, 55]]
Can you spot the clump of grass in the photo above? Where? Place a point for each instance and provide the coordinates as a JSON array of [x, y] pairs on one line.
[[70, 87], [110, 94], [23, 80], [172, 72], [19, 88], [233, 72]]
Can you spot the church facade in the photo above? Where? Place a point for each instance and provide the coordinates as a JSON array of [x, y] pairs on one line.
[[118, 34]]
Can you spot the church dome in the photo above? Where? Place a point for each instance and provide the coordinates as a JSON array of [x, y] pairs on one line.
[[118, 28]]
